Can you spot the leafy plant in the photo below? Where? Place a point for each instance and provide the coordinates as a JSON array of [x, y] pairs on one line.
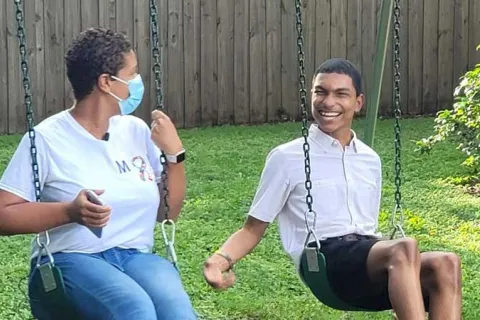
[[462, 123]]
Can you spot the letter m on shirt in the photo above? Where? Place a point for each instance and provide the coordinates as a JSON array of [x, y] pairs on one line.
[[122, 167]]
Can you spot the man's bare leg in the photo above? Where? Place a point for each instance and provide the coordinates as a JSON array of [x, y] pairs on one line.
[[441, 281], [398, 262]]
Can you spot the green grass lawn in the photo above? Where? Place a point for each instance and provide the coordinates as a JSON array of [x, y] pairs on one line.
[[223, 169]]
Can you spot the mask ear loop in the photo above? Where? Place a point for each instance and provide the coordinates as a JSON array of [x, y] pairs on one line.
[[115, 96], [118, 79]]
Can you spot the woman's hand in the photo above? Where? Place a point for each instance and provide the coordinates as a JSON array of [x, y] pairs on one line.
[[87, 213], [164, 133]]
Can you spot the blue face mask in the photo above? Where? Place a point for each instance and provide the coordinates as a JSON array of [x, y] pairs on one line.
[[136, 89]]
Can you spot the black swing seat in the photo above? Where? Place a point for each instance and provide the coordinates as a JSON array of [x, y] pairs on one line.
[[313, 272], [48, 280]]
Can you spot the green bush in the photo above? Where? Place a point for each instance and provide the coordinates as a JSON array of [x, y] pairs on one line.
[[461, 124]]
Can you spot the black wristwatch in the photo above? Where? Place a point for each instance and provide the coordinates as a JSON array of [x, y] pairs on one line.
[[176, 158]]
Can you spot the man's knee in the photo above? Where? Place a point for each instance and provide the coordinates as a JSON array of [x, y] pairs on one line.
[[405, 251], [445, 270]]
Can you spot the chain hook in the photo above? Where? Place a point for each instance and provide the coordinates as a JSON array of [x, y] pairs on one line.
[[169, 242], [40, 243], [44, 247], [311, 229]]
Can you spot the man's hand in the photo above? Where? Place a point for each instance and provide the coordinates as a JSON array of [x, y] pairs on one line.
[[217, 269], [215, 274]]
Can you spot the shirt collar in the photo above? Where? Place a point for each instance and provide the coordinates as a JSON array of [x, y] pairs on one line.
[[325, 140]]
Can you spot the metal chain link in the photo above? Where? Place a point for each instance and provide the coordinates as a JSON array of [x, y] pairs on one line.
[[398, 226], [169, 242], [303, 100], [158, 92], [28, 105]]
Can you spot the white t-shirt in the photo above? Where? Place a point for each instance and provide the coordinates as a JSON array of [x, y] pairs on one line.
[[346, 190], [70, 159]]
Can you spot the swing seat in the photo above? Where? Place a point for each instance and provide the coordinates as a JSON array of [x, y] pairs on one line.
[[313, 271], [48, 280]]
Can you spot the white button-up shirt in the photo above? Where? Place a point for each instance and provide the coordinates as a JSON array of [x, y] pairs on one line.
[[346, 190]]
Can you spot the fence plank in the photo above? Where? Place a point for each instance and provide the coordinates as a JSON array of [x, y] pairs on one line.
[[404, 56], [460, 40], [386, 93], [258, 70], [322, 30], [72, 29], [445, 58], [274, 64], [225, 23], [54, 49], [474, 34], [191, 43], [141, 30], [338, 31], [415, 50], [107, 13], [175, 65], [125, 18], [36, 56], [369, 26], [241, 62], [290, 88], [309, 12], [209, 62], [4, 70], [354, 32], [430, 56], [89, 13], [16, 107]]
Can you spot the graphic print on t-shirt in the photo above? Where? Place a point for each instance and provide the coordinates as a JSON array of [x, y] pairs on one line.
[[137, 163]]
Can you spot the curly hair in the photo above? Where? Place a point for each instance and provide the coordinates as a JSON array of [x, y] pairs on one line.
[[94, 52]]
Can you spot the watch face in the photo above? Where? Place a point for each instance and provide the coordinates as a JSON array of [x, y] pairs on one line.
[[181, 157]]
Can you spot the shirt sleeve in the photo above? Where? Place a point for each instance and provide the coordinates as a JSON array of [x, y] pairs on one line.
[[273, 189], [18, 175]]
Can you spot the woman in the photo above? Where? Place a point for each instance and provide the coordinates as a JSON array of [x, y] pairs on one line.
[[96, 145]]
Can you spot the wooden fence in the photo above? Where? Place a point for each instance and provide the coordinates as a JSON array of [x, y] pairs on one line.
[[234, 61]]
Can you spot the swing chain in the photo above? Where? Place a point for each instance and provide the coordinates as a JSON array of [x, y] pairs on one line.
[[303, 100], [397, 226], [156, 55], [159, 105], [28, 105]]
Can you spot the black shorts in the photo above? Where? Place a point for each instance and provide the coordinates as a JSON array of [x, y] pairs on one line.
[[347, 272]]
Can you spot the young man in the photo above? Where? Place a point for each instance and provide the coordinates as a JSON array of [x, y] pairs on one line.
[[346, 187]]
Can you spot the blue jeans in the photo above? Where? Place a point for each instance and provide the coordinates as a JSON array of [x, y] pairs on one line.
[[118, 284]]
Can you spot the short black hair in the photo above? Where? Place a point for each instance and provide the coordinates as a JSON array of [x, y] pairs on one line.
[[342, 66], [94, 52]]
